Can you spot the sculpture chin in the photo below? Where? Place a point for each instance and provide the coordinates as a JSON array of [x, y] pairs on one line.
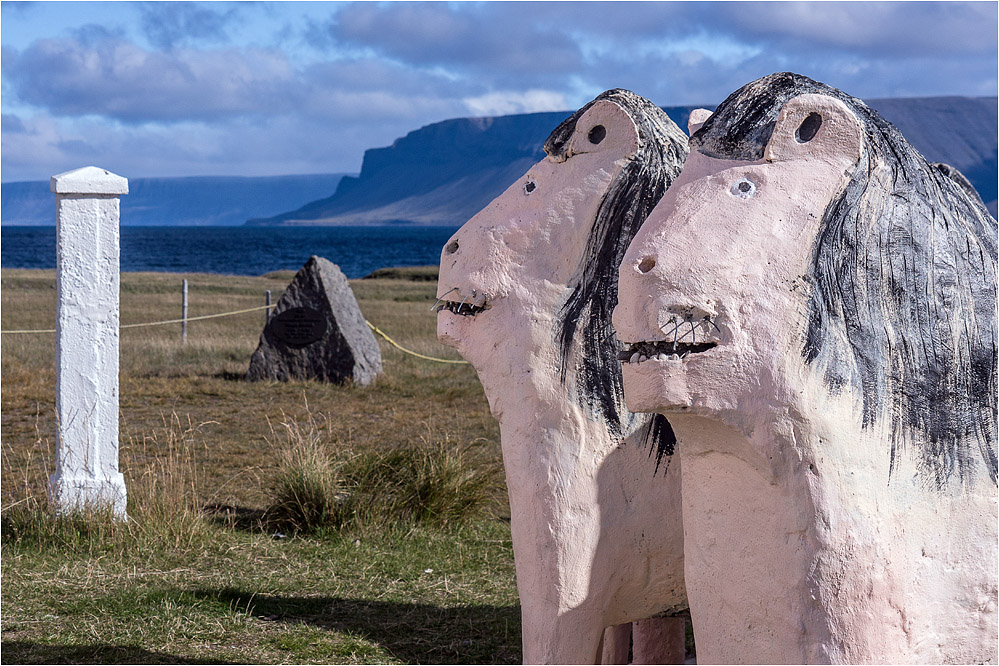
[[450, 330], [656, 386], [700, 383], [454, 330]]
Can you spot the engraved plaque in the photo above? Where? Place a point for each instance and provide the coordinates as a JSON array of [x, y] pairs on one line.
[[299, 327]]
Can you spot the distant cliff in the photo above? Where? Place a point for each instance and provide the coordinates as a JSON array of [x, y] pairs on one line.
[[440, 174], [961, 131], [194, 201], [446, 172]]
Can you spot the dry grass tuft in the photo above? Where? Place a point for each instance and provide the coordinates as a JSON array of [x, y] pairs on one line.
[[164, 503], [323, 483], [163, 490], [308, 483]]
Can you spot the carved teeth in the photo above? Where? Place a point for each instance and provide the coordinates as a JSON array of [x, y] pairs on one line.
[[469, 306], [441, 298], [661, 350]]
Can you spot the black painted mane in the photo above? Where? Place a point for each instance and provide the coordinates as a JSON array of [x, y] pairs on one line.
[[585, 319], [903, 299]]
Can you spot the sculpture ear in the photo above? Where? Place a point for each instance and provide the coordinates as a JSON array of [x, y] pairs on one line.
[[605, 125], [816, 127], [697, 118]]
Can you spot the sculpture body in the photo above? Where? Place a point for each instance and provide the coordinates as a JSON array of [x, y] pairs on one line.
[[527, 287], [817, 304]]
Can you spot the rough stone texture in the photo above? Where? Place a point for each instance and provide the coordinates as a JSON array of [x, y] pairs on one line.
[[528, 286], [830, 301], [617, 644], [317, 331], [660, 640], [87, 336]]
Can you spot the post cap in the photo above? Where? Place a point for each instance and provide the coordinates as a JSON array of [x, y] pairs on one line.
[[88, 180]]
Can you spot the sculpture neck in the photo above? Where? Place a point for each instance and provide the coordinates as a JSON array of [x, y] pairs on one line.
[[737, 503]]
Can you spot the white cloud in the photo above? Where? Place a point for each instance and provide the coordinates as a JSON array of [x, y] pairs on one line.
[[506, 102], [286, 87]]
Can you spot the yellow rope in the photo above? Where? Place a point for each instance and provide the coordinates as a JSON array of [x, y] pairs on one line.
[[261, 307], [168, 321], [409, 351], [212, 316], [47, 330]]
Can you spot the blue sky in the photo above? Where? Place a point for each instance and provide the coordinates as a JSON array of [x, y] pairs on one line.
[[246, 88]]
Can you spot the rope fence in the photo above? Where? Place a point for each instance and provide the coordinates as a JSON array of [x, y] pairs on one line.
[[410, 351], [244, 311], [159, 323]]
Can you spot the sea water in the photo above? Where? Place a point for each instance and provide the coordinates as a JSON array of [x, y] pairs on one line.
[[243, 250]]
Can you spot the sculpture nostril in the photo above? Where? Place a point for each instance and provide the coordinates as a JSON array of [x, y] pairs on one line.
[[451, 247], [647, 264]]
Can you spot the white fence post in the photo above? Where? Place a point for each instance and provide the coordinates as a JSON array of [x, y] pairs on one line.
[[87, 330], [183, 314]]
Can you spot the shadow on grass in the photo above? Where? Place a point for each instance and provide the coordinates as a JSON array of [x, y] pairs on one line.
[[28, 652], [237, 517], [412, 633], [230, 376]]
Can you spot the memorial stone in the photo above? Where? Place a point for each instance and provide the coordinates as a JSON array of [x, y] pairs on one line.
[[317, 331]]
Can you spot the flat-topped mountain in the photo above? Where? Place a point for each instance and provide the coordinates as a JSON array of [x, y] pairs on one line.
[[446, 172], [194, 201], [440, 174]]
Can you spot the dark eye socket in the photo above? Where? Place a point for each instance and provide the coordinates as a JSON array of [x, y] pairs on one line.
[[744, 188], [597, 134], [808, 128], [530, 186]]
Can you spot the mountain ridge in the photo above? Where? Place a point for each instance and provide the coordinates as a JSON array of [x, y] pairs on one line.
[[180, 201], [445, 172]]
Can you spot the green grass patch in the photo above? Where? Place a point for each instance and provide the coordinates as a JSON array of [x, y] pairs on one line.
[[418, 570], [409, 273]]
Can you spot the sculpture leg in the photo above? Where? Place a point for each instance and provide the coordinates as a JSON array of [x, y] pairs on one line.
[[660, 640], [616, 644], [550, 637]]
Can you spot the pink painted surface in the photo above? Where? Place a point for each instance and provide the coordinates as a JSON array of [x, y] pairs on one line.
[[582, 501], [660, 640], [797, 547]]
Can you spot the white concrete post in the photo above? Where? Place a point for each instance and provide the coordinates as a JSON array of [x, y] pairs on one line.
[[183, 314], [87, 329]]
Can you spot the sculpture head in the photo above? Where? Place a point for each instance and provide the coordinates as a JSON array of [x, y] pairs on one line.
[[530, 282], [809, 258]]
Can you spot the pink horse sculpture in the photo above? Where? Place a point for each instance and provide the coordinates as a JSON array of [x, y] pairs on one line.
[[526, 290], [814, 307]]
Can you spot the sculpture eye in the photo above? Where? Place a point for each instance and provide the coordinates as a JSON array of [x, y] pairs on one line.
[[597, 134], [744, 188], [530, 186], [809, 128]]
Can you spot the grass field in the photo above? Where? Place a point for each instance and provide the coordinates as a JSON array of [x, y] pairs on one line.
[[201, 573]]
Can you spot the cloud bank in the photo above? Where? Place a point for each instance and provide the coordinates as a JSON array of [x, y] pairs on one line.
[[158, 89]]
